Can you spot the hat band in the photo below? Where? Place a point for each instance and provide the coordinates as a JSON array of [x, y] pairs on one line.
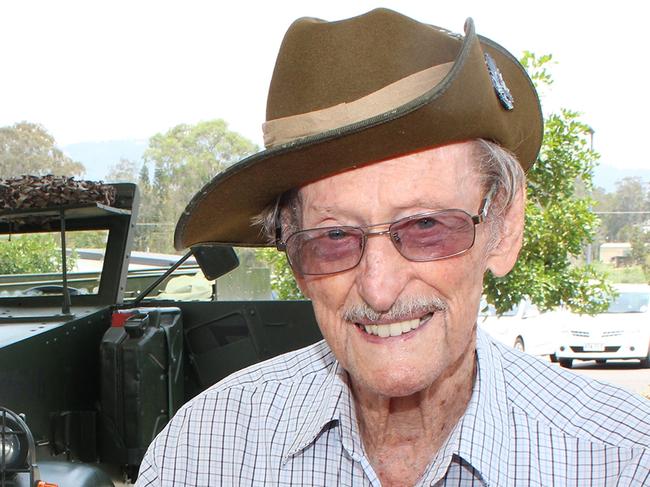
[[287, 129]]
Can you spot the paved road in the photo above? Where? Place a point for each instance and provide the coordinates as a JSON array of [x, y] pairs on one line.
[[624, 373]]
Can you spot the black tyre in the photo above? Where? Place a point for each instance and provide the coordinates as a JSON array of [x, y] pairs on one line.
[[645, 362], [567, 363], [519, 344]]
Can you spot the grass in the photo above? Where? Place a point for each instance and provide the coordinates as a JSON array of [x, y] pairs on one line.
[[631, 274]]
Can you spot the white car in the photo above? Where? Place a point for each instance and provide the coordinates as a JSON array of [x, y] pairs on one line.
[[523, 327], [621, 332]]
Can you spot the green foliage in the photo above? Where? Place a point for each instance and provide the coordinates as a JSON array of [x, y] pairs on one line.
[[558, 222], [27, 148], [623, 209], [629, 274], [86, 239], [35, 253], [282, 281], [537, 68], [182, 159], [639, 240], [125, 171], [640, 252]]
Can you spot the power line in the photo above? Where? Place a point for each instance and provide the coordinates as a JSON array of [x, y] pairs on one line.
[[621, 212]]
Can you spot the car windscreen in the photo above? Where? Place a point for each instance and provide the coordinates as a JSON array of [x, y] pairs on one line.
[[630, 302], [486, 309]]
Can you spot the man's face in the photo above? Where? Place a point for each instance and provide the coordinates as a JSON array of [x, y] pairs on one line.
[[436, 179]]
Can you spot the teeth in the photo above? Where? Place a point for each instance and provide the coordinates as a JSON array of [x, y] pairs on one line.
[[392, 329]]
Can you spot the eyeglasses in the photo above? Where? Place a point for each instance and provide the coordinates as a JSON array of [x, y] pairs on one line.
[[423, 237]]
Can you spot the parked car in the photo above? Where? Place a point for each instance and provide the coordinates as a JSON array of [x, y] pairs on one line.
[[523, 327], [621, 332]]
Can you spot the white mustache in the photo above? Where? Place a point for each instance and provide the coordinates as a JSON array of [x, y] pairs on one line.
[[404, 308]]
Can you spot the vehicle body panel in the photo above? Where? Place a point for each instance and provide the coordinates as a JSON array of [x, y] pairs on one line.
[[623, 332], [523, 327]]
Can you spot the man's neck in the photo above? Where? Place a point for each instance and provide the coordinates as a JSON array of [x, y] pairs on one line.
[[401, 435]]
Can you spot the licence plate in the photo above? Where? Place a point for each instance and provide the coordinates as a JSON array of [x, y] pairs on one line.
[[594, 347]]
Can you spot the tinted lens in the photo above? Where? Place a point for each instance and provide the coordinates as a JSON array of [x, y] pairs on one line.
[[434, 235], [325, 250]]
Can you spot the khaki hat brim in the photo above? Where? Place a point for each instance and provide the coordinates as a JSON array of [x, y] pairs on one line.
[[463, 106]]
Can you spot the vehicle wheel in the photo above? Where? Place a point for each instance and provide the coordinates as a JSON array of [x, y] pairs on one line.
[[601, 361], [645, 362], [519, 345], [567, 363], [553, 358]]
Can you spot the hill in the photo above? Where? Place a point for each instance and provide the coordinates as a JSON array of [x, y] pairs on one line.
[[99, 157]]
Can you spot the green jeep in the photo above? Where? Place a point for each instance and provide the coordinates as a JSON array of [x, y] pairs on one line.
[[95, 361]]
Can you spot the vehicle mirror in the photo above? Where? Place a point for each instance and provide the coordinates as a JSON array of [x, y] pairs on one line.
[[215, 260]]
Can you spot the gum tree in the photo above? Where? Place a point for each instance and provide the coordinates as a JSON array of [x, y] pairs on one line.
[[28, 148], [559, 222]]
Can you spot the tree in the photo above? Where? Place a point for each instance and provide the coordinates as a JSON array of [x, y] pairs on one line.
[[183, 159], [23, 254], [125, 171], [640, 252], [631, 197], [27, 148], [558, 222], [282, 282]]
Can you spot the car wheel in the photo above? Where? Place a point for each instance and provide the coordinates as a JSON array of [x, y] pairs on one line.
[[553, 358], [519, 345], [645, 362], [601, 361], [567, 363]]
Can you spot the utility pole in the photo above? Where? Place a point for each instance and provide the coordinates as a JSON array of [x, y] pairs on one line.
[[588, 251]]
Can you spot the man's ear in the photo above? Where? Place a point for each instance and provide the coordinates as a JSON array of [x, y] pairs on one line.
[[501, 259]]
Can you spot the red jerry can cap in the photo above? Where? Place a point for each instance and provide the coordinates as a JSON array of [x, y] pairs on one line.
[[120, 316]]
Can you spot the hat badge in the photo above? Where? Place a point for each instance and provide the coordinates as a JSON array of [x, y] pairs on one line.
[[500, 87]]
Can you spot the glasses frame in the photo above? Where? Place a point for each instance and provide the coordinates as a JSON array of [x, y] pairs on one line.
[[477, 219]]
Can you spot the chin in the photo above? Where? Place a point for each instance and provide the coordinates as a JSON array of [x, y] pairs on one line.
[[398, 383]]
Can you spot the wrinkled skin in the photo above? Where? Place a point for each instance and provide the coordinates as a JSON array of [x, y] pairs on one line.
[[410, 389]]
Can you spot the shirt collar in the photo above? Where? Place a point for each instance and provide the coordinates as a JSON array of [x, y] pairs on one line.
[[331, 403], [484, 429], [481, 437]]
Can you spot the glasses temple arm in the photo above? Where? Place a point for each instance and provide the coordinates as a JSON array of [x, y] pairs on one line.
[[485, 205]]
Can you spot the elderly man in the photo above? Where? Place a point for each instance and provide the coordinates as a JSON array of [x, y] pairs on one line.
[[393, 180]]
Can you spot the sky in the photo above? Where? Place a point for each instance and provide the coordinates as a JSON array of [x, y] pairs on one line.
[[110, 70]]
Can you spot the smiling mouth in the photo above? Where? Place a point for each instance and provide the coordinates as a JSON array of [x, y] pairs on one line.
[[395, 329]]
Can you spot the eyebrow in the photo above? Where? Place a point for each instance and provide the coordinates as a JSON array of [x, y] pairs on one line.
[[428, 204]]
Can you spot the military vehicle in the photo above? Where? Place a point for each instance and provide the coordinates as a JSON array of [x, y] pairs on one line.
[[90, 372]]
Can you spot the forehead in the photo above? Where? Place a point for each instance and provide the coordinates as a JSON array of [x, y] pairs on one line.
[[442, 177]]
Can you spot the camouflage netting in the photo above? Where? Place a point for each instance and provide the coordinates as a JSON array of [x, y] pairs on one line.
[[27, 192]]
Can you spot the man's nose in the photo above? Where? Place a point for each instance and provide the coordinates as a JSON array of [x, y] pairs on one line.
[[382, 273]]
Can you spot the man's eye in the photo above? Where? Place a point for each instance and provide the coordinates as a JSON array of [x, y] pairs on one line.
[[426, 223], [336, 234]]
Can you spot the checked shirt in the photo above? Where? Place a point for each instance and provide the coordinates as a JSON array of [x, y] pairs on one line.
[[290, 421]]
